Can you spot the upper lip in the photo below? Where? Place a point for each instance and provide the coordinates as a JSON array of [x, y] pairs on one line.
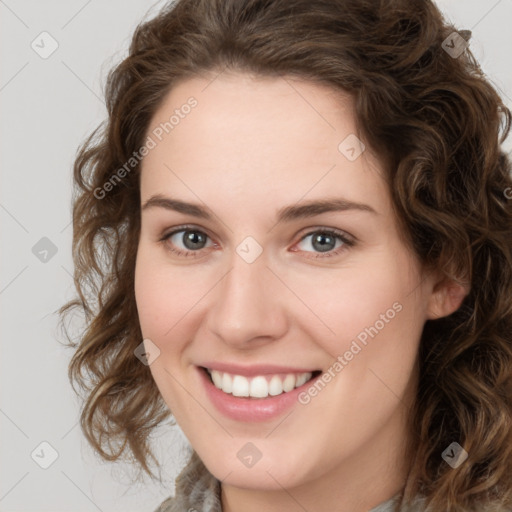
[[253, 370]]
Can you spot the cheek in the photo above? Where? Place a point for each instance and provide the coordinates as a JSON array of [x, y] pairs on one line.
[[165, 304], [378, 326], [164, 294], [368, 300]]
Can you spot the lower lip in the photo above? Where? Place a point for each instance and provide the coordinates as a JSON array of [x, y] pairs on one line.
[[251, 409]]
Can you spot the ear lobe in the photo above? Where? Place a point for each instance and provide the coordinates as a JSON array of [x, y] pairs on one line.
[[446, 298]]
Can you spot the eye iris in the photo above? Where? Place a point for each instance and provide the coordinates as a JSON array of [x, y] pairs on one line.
[[323, 246], [190, 238], [322, 242]]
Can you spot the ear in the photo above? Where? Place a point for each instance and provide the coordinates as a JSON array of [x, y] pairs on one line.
[[447, 296]]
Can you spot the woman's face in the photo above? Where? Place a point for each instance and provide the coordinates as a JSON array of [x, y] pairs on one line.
[[285, 260]]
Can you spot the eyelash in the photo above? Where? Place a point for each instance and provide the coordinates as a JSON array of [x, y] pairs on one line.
[[347, 242]]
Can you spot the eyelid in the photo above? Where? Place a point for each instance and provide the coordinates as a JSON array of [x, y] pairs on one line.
[[185, 227], [324, 229], [347, 239]]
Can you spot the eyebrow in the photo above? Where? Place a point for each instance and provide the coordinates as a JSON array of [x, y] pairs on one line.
[[286, 214]]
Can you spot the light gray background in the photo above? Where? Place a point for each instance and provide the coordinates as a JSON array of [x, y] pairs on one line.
[[48, 107]]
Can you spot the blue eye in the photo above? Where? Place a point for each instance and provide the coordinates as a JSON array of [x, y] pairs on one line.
[[193, 241], [327, 242]]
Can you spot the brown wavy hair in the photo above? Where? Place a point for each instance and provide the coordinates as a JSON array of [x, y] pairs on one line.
[[437, 124]]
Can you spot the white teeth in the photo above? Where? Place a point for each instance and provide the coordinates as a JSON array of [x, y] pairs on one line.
[[301, 379], [289, 382], [240, 386], [217, 378], [276, 386], [257, 387], [227, 383]]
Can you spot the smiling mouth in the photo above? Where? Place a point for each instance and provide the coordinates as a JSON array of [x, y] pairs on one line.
[[259, 386]]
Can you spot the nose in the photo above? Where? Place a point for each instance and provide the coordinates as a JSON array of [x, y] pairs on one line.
[[248, 307]]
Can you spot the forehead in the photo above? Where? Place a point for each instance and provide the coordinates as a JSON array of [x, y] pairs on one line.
[[241, 105], [278, 138]]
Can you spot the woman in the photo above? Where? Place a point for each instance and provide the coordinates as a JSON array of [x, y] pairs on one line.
[[297, 236]]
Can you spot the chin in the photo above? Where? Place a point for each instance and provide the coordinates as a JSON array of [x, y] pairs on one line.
[[268, 473]]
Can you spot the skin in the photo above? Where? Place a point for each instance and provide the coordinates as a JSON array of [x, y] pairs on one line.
[[250, 147]]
